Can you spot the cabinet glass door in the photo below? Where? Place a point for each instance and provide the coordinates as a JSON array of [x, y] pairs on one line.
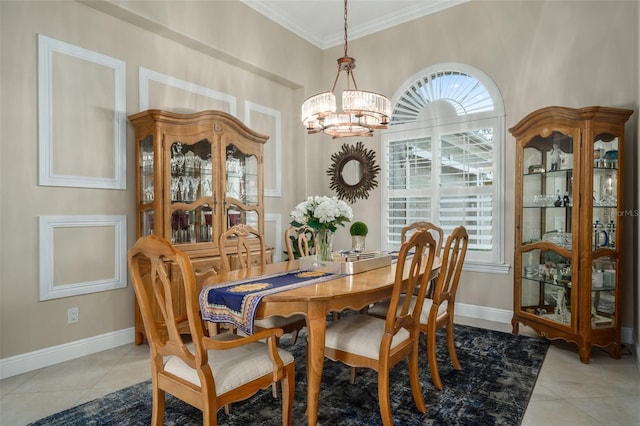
[[242, 195], [547, 234], [146, 187], [190, 192], [605, 222]]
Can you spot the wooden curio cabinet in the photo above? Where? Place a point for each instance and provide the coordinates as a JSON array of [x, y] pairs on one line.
[[567, 260], [197, 175]]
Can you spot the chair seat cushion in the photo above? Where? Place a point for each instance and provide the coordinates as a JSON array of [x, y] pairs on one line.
[[380, 309], [231, 368], [277, 321], [360, 335]]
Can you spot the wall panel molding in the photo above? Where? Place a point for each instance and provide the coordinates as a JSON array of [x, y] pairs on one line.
[[48, 224], [274, 144], [47, 47], [146, 76]]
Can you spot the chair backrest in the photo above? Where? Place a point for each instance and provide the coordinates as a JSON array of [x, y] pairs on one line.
[[455, 250], [418, 253], [298, 237], [241, 237], [434, 230], [149, 260]]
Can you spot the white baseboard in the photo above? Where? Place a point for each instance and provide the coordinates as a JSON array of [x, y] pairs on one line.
[[56, 354], [483, 312], [504, 316], [638, 355]]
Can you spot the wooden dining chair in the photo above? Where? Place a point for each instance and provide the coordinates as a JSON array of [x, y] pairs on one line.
[[240, 236], [435, 231], [362, 340], [298, 237], [205, 372], [438, 312]]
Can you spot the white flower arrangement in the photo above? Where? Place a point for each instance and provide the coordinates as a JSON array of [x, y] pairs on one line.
[[320, 212]]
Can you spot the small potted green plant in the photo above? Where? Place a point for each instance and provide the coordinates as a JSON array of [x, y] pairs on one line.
[[358, 231]]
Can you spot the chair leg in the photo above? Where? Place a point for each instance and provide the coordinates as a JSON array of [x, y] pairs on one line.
[[451, 344], [352, 375], [157, 410], [288, 384], [212, 328], [414, 375], [384, 399], [209, 416], [227, 409], [431, 357], [295, 336], [274, 390]]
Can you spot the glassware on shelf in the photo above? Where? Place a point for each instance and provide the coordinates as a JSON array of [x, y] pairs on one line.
[[194, 182], [234, 217], [184, 189], [147, 193], [205, 174], [147, 222], [175, 188], [600, 235], [206, 186]]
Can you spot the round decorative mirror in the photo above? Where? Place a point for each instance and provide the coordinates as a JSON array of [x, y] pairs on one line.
[[353, 172]]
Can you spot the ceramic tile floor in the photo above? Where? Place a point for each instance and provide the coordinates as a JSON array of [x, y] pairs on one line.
[[604, 392]]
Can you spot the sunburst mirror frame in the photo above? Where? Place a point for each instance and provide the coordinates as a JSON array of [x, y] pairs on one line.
[[368, 168]]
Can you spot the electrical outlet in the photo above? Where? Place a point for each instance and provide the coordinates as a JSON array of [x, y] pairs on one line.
[[72, 315]]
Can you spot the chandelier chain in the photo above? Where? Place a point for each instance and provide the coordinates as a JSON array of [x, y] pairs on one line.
[[346, 42]]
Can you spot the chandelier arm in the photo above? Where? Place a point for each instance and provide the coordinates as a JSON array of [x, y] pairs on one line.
[[333, 88], [351, 74]]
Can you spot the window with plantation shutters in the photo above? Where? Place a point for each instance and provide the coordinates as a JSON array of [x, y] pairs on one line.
[[442, 161]]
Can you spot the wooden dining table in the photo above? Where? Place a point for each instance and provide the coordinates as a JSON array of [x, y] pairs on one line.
[[315, 301]]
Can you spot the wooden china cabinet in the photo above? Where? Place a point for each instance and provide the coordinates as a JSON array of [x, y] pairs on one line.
[[197, 175], [568, 232]]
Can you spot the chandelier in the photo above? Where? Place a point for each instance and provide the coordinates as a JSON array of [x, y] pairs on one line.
[[362, 111]]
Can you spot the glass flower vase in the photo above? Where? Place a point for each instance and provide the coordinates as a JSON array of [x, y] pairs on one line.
[[324, 244], [357, 243]]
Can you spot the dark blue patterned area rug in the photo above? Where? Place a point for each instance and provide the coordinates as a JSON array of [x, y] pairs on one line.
[[499, 371]]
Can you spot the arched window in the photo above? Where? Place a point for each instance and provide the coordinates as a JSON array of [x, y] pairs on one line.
[[443, 160]]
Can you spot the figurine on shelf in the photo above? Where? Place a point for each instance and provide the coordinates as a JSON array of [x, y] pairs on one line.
[[566, 201], [177, 158], [556, 155], [561, 305], [558, 201]]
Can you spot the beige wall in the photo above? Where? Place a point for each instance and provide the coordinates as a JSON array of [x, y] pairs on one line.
[[27, 324], [538, 53]]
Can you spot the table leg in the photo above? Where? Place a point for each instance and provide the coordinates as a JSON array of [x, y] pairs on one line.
[[316, 328]]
